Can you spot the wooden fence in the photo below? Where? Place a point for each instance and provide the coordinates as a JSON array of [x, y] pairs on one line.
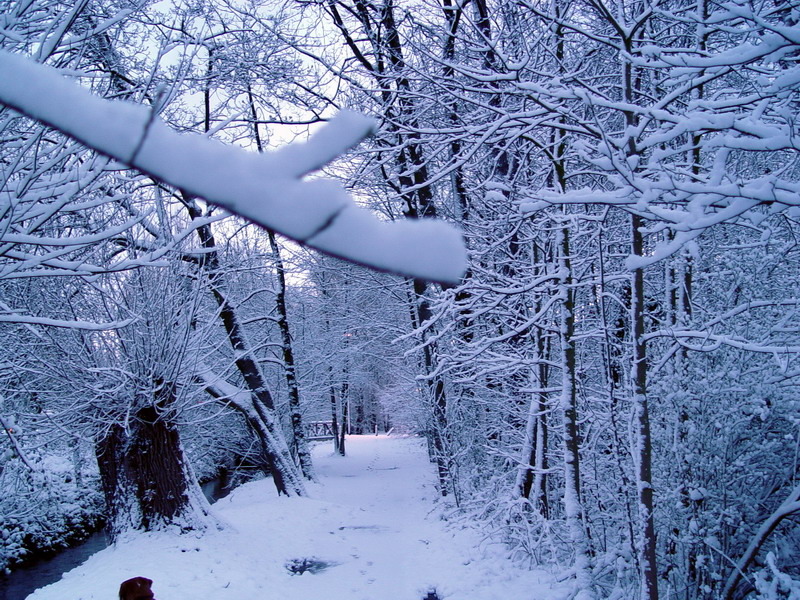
[[319, 430]]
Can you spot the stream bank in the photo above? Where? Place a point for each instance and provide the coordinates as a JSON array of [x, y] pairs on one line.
[[27, 578]]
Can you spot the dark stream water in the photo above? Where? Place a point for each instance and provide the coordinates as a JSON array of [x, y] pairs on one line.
[[25, 580]]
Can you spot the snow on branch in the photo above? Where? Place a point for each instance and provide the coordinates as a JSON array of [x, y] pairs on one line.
[[7, 427], [222, 390], [708, 341], [21, 319], [789, 507], [269, 189]]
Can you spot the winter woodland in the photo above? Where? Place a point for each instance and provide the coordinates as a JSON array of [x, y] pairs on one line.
[[560, 239]]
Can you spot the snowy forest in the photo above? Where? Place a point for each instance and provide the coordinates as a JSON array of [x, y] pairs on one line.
[[557, 239]]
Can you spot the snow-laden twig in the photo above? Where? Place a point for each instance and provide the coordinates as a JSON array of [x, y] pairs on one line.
[[15, 443]]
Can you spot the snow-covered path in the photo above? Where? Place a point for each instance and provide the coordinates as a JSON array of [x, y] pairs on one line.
[[371, 521]]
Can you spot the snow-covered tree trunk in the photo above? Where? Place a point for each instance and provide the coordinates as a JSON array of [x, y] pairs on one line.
[[284, 471], [290, 370], [643, 438], [437, 397], [146, 479], [569, 408], [531, 480], [275, 452]]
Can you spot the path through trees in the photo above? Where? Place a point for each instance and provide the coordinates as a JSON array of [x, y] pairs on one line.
[[370, 530]]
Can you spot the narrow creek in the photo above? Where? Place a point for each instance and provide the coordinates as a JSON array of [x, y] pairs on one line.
[[25, 580]]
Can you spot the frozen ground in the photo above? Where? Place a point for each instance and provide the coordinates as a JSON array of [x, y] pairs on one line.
[[371, 524]]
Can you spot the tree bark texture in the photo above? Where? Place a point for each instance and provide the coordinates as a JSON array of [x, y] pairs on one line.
[[146, 479]]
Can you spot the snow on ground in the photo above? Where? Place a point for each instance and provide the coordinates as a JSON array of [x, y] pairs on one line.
[[372, 520]]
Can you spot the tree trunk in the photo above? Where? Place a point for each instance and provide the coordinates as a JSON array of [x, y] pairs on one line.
[[298, 431], [644, 447], [334, 412], [284, 472], [345, 416], [264, 423], [290, 371], [572, 483], [532, 480], [146, 479]]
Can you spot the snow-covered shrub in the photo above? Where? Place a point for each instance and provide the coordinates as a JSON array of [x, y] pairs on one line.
[[46, 509], [772, 584]]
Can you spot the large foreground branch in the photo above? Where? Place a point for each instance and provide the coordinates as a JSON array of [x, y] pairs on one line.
[[269, 189]]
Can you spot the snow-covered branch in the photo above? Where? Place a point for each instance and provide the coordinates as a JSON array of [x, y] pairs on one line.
[[22, 319], [711, 341], [787, 508], [9, 429], [269, 189]]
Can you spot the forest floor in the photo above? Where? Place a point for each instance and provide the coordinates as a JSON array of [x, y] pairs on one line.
[[371, 530]]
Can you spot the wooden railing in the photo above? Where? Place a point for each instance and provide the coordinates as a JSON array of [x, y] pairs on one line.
[[319, 430]]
